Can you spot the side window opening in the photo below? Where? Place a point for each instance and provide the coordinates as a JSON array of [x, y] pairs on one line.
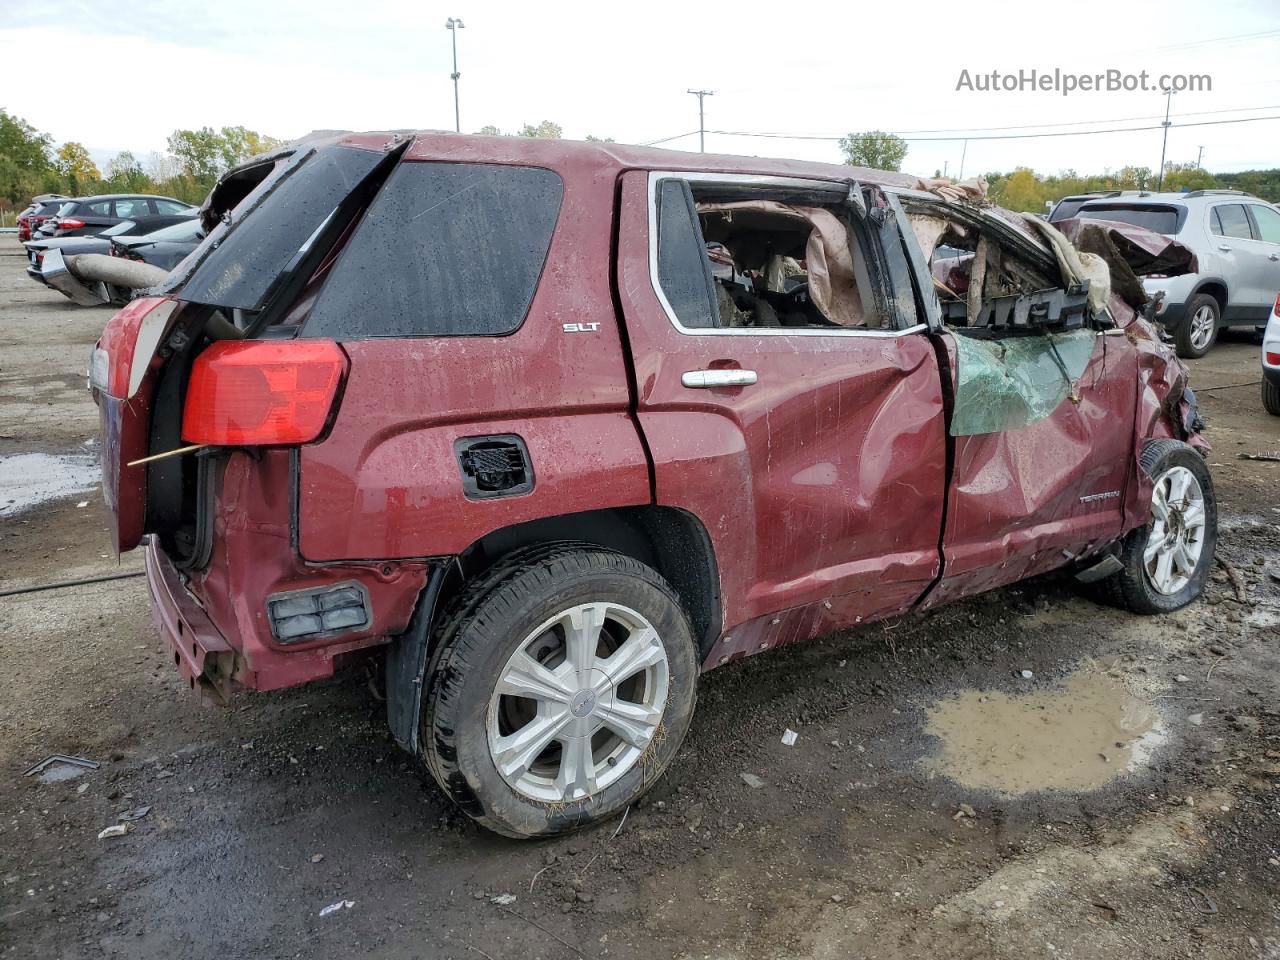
[[1233, 220], [743, 257]]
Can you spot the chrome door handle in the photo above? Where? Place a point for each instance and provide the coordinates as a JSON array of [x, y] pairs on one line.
[[1224, 248], [718, 378]]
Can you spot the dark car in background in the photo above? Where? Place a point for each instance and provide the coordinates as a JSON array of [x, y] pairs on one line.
[[91, 215], [164, 248], [41, 209], [125, 230]]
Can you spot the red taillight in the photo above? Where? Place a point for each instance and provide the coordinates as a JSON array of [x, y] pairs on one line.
[[1276, 309], [258, 393], [1273, 358], [70, 223]]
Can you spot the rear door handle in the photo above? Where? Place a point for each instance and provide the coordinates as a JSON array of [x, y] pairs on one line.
[[1273, 256], [718, 378], [1224, 248]]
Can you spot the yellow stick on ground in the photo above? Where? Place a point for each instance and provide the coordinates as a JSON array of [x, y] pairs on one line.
[[168, 453]]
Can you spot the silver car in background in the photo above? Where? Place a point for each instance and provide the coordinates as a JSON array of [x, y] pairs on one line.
[[1236, 240]]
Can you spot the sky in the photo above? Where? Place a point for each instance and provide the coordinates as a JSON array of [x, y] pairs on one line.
[[285, 68]]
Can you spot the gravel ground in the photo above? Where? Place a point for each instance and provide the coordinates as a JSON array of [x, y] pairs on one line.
[[853, 843]]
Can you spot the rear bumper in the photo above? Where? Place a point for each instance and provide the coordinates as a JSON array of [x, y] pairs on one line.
[[200, 652]]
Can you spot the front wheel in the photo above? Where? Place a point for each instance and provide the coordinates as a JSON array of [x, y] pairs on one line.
[[561, 688], [1167, 561]]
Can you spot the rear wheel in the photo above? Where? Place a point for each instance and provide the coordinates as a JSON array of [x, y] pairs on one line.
[[1200, 328], [1167, 561], [1271, 396], [562, 687]]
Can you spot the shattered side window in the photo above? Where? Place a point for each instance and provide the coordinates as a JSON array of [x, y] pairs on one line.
[[446, 249], [1011, 382]]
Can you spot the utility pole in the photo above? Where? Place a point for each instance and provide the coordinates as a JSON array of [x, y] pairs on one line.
[[1200, 158], [1168, 102], [963, 154], [453, 26], [702, 126]]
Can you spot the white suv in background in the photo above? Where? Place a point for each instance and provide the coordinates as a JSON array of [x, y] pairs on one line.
[[1236, 240], [1271, 362]]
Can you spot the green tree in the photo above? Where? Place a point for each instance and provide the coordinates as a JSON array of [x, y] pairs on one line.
[[875, 148], [76, 167], [1187, 176], [24, 159], [198, 152], [591, 139], [1021, 190], [489, 130], [546, 130], [125, 175]]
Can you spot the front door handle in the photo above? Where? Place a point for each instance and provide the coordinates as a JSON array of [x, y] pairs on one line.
[[1224, 248], [1273, 256], [718, 378]]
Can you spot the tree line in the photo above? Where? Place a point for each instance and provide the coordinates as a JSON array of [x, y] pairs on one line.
[[30, 164]]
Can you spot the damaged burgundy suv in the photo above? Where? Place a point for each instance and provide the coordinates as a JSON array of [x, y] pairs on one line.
[[487, 404]]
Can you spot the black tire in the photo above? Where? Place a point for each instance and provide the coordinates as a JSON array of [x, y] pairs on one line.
[[1271, 396], [1182, 338], [1132, 588], [490, 619]]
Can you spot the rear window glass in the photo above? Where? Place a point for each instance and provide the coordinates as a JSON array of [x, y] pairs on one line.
[[1157, 219], [68, 208], [238, 264], [682, 258], [445, 249], [1230, 220]]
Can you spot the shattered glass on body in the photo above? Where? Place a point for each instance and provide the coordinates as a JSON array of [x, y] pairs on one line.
[[1014, 382]]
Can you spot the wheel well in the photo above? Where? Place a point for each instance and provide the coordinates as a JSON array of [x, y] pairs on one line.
[[672, 541], [1217, 290]]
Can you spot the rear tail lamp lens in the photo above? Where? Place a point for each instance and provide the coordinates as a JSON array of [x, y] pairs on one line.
[[1273, 358], [260, 393], [1276, 309], [70, 223]]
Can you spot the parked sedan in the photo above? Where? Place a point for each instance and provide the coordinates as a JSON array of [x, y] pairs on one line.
[[136, 230], [90, 215], [164, 248], [41, 209]]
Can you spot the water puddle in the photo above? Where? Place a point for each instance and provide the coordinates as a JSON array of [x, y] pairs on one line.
[[1078, 736], [29, 479]]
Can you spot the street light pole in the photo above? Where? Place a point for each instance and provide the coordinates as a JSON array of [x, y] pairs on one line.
[[453, 26], [702, 127], [1168, 103]]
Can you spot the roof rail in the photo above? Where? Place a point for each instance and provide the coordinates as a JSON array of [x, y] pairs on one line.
[[1216, 193]]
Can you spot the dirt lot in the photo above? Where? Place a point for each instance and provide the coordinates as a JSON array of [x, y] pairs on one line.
[[879, 834]]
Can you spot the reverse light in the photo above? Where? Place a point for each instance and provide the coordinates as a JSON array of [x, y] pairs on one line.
[[262, 393]]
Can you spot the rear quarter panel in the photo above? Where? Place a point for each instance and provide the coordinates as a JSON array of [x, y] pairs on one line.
[[385, 482]]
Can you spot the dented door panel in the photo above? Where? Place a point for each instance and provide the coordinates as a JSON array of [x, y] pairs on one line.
[[1026, 500], [821, 485]]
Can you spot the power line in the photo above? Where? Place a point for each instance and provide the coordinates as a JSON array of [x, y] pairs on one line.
[[678, 136], [1006, 136]]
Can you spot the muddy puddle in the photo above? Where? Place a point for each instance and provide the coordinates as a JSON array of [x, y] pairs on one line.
[[1077, 736], [30, 479]]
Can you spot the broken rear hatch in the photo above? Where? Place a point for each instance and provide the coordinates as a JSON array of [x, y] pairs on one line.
[[269, 223]]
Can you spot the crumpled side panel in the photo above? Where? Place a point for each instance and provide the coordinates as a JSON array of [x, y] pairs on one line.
[[1013, 382], [1165, 405]]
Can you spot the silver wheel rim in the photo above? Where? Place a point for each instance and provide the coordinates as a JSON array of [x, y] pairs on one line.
[[578, 703], [1177, 532], [1202, 327]]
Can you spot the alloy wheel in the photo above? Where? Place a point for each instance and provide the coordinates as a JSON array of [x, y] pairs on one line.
[[578, 702], [1202, 324], [1176, 538]]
